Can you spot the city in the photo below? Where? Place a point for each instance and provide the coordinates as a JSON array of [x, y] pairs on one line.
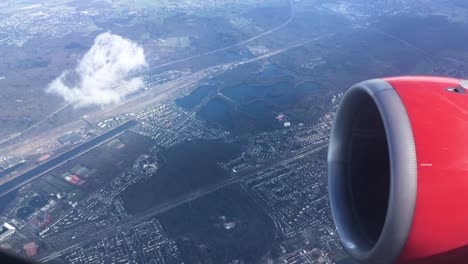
[[75, 199], [206, 138], [63, 221]]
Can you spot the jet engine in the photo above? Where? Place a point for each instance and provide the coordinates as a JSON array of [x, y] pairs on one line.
[[398, 170]]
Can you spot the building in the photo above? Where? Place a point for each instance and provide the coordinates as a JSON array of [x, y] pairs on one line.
[[70, 138], [6, 231]]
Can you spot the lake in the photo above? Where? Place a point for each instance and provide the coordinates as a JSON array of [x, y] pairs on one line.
[[195, 97]]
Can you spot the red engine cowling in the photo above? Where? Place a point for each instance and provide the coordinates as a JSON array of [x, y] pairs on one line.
[[398, 170]]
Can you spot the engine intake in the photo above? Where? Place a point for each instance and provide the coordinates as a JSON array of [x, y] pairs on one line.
[[398, 170], [372, 172]]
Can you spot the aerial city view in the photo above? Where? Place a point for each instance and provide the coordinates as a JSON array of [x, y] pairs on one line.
[[192, 131]]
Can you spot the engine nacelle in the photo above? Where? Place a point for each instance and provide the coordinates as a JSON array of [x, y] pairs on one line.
[[398, 170]]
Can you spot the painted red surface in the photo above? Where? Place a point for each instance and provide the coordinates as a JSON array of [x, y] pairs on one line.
[[439, 119], [74, 179], [31, 249]]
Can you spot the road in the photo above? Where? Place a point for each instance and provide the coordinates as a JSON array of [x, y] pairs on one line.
[[291, 17], [139, 102], [292, 14], [184, 199], [61, 159], [33, 143]]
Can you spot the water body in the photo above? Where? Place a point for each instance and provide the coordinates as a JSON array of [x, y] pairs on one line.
[[218, 112], [187, 167], [277, 93], [255, 110], [257, 105], [41, 169], [195, 97]]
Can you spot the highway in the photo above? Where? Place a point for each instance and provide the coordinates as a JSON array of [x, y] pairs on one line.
[[291, 17], [139, 102], [61, 159], [184, 199], [292, 14], [13, 136]]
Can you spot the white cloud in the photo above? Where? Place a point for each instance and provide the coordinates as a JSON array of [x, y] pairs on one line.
[[98, 78]]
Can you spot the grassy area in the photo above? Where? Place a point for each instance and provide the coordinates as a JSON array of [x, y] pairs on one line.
[[114, 142], [59, 183], [56, 212], [80, 170], [46, 187]]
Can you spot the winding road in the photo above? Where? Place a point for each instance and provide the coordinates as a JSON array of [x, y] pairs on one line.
[[291, 17]]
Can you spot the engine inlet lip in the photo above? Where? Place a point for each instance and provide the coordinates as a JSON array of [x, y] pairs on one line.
[[403, 173]]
